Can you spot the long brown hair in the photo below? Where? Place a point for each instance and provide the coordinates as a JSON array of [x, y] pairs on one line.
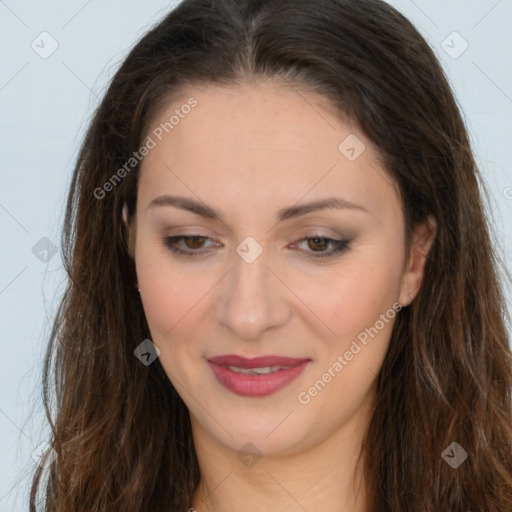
[[120, 430]]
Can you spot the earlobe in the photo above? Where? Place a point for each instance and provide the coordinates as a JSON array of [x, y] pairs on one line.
[[422, 241]]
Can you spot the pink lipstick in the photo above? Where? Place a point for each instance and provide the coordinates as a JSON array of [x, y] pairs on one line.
[[259, 376]]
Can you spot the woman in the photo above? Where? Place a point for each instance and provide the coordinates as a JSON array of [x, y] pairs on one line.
[[283, 293]]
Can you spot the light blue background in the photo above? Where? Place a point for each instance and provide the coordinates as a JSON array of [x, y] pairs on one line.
[[46, 105]]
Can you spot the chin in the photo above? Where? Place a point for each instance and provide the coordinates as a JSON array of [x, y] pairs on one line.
[[257, 433]]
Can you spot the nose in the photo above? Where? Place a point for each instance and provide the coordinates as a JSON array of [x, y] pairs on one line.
[[251, 299]]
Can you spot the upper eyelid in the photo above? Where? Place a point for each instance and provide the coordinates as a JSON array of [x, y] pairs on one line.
[[300, 239], [340, 246], [178, 238], [305, 232]]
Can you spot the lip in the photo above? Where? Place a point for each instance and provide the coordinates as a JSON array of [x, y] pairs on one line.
[[256, 385], [256, 362]]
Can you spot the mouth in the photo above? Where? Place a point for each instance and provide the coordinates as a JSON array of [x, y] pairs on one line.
[[257, 377]]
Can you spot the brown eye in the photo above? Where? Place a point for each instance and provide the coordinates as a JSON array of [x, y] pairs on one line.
[[317, 243], [192, 245], [196, 241], [316, 246]]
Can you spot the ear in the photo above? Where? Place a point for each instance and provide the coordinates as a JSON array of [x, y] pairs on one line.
[[131, 232], [422, 240], [125, 214]]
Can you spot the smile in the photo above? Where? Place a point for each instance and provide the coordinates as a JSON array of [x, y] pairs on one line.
[[256, 377]]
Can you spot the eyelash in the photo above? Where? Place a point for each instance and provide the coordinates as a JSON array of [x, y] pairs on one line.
[[340, 246]]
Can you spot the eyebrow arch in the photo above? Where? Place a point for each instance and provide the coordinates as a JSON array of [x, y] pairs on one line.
[[191, 205]]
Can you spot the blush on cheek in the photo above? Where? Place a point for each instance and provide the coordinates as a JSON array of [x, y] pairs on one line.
[[346, 310], [362, 320], [162, 308], [171, 304]]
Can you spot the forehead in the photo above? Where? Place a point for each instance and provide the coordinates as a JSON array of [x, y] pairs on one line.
[[269, 113], [258, 143]]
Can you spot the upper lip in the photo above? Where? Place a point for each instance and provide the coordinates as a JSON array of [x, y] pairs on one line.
[[256, 362]]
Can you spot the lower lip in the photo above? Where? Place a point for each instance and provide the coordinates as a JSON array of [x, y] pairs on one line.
[[256, 385]]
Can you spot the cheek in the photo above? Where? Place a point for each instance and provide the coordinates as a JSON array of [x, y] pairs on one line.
[[341, 300], [166, 294], [352, 297], [176, 300], [171, 303]]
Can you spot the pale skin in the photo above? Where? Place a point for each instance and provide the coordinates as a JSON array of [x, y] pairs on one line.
[[249, 151]]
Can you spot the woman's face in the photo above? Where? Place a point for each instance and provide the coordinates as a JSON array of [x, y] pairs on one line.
[[259, 273]]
